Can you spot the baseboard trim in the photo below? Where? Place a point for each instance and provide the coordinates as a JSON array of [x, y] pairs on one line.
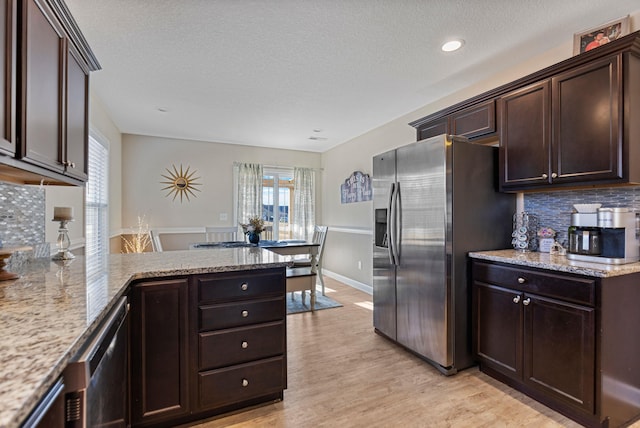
[[348, 281]]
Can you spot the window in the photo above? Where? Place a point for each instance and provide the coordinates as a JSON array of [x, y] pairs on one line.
[[284, 196], [97, 199]]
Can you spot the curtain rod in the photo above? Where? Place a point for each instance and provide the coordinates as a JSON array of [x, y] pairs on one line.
[[279, 166]]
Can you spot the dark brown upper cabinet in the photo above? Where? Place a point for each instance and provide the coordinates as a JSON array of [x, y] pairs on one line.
[[433, 127], [45, 122], [564, 130], [475, 122], [54, 96], [478, 121], [8, 78], [568, 125]]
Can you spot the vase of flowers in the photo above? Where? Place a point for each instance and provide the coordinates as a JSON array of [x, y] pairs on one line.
[[253, 229]]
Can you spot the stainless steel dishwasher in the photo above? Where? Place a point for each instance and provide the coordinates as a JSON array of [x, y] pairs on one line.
[[96, 382]]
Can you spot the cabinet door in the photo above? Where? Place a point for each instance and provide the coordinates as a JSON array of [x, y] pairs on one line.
[[498, 336], [476, 121], [42, 87], [435, 127], [7, 77], [77, 118], [159, 351], [525, 131], [587, 104], [559, 350]]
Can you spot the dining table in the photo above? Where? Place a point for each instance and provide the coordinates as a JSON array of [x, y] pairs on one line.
[[283, 247]]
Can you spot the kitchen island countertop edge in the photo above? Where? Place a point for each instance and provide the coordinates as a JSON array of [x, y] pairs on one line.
[[49, 312]]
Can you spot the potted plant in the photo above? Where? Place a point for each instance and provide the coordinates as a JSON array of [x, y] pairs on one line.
[[253, 228]]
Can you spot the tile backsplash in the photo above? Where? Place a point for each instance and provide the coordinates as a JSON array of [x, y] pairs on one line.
[[22, 213], [554, 208]]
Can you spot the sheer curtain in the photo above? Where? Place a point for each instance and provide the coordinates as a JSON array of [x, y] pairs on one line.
[[248, 191], [304, 203]]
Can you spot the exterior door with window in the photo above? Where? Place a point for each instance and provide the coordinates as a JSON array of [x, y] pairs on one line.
[[277, 201]]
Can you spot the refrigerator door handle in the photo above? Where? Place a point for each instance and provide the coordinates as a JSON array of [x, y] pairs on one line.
[[390, 229], [397, 234]]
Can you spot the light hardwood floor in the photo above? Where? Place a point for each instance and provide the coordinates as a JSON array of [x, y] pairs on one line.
[[342, 374]]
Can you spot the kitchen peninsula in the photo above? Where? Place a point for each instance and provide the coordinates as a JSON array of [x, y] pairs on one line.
[[48, 314]]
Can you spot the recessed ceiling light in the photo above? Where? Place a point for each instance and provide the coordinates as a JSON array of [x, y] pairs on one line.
[[314, 138], [162, 110], [452, 45], [317, 130]]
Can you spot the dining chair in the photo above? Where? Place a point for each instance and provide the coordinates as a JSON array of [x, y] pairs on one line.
[[319, 237], [221, 234], [156, 244]]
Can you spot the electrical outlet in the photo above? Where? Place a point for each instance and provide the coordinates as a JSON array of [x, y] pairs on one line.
[[359, 265], [223, 216]]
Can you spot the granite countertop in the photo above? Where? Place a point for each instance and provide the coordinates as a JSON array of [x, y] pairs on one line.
[[49, 312], [556, 262]]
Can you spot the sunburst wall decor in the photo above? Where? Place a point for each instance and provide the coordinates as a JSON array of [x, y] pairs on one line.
[[180, 183]]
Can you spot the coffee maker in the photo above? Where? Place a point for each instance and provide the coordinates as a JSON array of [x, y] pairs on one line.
[[609, 235]]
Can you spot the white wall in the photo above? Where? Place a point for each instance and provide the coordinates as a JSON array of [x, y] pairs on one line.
[[356, 154], [146, 158]]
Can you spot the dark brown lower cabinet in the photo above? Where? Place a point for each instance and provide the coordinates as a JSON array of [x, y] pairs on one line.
[[207, 344], [159, 351], [560, 338]]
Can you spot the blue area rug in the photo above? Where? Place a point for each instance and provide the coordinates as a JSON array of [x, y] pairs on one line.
[[296, 306]]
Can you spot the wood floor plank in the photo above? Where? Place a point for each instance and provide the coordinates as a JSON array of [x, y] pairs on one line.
[[342, 374]]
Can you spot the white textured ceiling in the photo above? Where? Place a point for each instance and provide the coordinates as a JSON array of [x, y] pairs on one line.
[[267, 73]]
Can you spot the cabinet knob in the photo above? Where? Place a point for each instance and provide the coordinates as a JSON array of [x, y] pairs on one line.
[[245, 345], [554, 175], [545, 176], [245, 382], [245, 314], [244, 286], [516, 299], [521, 280], [526, 301]]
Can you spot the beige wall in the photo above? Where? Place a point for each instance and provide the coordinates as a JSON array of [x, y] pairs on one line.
[[356, 154], [146, 158], [100, 123]]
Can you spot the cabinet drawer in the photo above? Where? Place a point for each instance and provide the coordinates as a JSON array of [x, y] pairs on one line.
[[236, 314], [240, 345], [235, 384], [240, 285], [562, 286]]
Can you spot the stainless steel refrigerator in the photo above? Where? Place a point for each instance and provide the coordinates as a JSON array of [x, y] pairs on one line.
[[434, 201]]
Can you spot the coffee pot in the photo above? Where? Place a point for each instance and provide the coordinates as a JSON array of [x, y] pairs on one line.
[[609, 235]]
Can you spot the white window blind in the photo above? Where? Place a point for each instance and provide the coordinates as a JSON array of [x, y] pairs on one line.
[[97, 200]]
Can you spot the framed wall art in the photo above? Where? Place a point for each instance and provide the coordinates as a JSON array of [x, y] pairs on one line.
[[590, 39], [180, 183], [356, 188]]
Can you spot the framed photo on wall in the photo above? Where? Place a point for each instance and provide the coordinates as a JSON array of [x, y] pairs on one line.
[[590, 39]]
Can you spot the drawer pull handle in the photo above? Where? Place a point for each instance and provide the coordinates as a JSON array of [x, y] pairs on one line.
[[545, 176], [516, 299], [521, 280], [245, 345], [245, 382], [526, 301], [245, 314], [244, 286]]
